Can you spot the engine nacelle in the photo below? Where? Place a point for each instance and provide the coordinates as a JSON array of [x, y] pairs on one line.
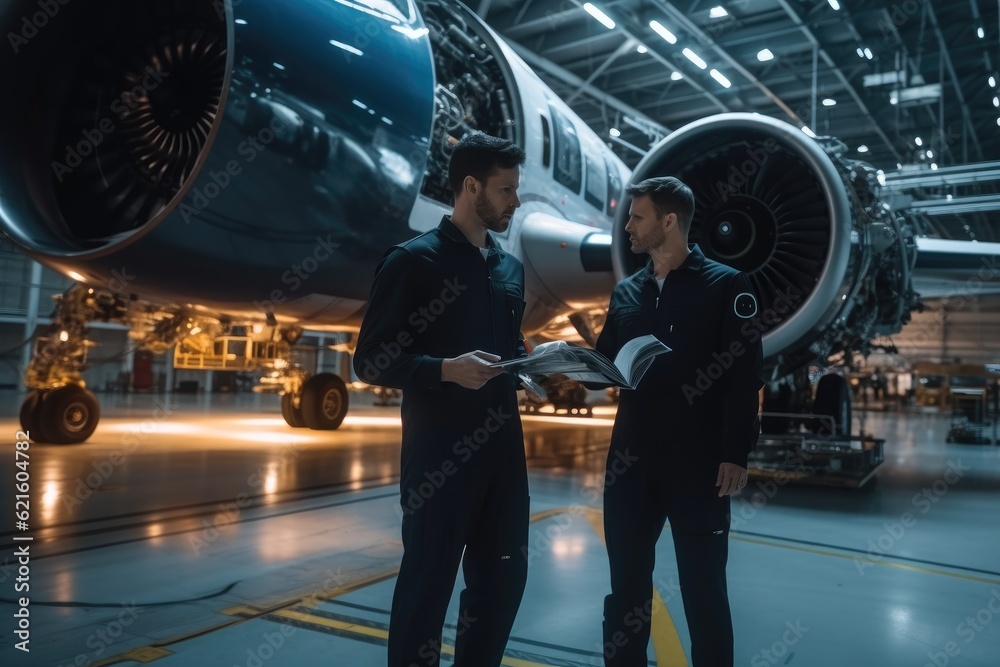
[[830, 262]]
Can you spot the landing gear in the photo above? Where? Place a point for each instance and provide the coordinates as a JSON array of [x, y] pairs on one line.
[[324, 402], [292, 413], [64, 416]]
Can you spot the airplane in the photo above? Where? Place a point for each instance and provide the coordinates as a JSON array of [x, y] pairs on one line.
[[219, 180]]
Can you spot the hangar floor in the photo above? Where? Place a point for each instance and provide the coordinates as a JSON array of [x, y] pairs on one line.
[[202, 531]]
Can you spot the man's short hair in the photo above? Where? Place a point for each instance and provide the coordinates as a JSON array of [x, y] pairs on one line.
[[479, 155], [669, 195]]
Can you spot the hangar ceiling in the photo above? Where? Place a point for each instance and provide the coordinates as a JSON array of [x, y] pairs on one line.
[[910, 84]]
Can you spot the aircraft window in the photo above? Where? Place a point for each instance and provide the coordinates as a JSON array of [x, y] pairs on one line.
[[567, 169], [614, 188], [546, 142], [596, 184]]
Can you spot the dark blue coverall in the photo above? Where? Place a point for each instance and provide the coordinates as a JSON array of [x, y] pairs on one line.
[[695, 408], [463, 480]]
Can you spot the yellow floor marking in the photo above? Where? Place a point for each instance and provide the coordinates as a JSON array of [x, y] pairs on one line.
[[666, 642]]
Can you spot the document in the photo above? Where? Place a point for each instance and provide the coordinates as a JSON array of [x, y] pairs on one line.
[[587, 365]]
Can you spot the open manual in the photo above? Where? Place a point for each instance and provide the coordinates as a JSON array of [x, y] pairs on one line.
[[587, 365]]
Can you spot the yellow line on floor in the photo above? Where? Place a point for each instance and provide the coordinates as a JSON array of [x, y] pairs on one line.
[[666, 642], [864, 559], [379, 633]]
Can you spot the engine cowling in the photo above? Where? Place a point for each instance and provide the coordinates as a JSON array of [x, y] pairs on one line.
[[829, 261]]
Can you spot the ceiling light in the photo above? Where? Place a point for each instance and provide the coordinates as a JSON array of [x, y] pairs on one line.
[[723, 81], [933, 166], [641, 49], [615, 132], [835, 5], [764, 55], [893, 97], [993, 82], [829, 102], [676, 76], [981, 32], [949, 197], [810, 133], [861, 52], [868, 53], [76, 276], [695, 58], [662, 32], [880, 177], [862, 148], [996, 101], [929, 154], [998, 121], [918, 141], [718, 12], [599, 15]]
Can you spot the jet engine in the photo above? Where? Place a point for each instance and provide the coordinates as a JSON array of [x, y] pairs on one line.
[[830, 262]]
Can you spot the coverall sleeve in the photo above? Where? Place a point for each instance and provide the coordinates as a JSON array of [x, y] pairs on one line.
[[607, 343], [383, 355], [743, 380]]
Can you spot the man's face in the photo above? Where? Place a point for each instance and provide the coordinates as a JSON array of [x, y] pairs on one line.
[[497, 199], [646, 228]]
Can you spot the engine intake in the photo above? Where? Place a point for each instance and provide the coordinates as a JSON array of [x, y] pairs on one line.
[[118, 103], [804, 224]]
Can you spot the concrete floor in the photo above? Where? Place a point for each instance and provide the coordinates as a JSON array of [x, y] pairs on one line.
[[203, 531]]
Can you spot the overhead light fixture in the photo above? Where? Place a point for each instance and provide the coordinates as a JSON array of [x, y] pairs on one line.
[[603, 18], [862, 148], [676, 76], [933, 166], [880, 177], [996, 101], [835, 5], [949, 197], [615, 132], [718, 12], [981, 32], [829, 102], [76, 276], [998, 121], [695, 58], [723, 81], [641, 48], [929, 154], [918, 141], [893, 97], [993, 82], [764, 55], [868, 53], [861, 52], [810, 133], [663, 32]]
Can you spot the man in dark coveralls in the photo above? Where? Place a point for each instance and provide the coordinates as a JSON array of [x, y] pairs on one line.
[[444, 305], [685, 431]]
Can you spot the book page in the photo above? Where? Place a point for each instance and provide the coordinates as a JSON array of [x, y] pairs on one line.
[[635, 357]]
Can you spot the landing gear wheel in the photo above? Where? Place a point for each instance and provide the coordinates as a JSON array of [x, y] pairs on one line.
[[833, 399], [324, 402], [29, 414], [292, 414], [68, 415]]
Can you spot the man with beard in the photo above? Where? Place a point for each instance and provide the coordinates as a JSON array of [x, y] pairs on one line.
[[443, 306], [687, 428]]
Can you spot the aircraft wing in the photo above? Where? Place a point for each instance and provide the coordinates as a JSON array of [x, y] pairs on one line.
[[947, 268]]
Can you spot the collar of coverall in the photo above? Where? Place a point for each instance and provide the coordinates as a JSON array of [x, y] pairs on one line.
[[449, 229], [692, 262]]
